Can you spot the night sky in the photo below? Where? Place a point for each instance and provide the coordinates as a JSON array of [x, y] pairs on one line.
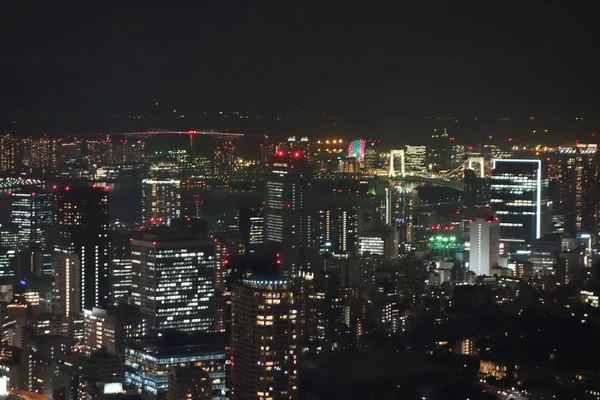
[[413, 58]]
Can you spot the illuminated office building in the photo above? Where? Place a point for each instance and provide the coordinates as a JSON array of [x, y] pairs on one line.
[[81, 223], [31, 210], [109, 329], [150, 361], [223, 156], [289, 211], [415, 159], [9, 247], [578, 180], [485, 244], [67, 285], [99, 151], [161, 201], [337, 228], [120, 266], [264, 336], [519, 199], [378, 243], [252, 227], [173, 280]]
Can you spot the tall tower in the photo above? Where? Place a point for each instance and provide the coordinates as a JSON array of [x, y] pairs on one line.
[[81, 221], [264, 334], [31, 210], [66, 273], [578, 177], [223, 158], [289, 211], [485, 244], [173, 280], [519, 198], [161, 201]]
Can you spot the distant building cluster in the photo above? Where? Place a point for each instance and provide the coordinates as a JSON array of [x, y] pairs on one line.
[[326, 268]]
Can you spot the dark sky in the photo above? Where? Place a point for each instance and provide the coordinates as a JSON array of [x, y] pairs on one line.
[[416, 57]]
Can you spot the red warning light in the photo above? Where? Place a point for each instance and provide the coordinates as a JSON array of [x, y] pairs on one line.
[[280, 153], [67, 188], [278, 261], [297, 154], [54, 187]]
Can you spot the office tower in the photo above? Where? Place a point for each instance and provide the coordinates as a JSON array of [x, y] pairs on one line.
[[382, 243], [337, 228], [109, 329], [519, 198], [10, 154], [67, 283], [485, 244], [31, 210], [148, 362], [264, 335], [69, 152], [578, 179], [161, 201], [371, 155], [173, 279], [43, 153], [415, 159], [289, 211], [543, 254], [81, 223], [223, 157], [252, 227], [120, 267], [9, 248]]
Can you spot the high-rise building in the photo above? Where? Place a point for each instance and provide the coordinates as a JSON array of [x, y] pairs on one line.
[[264, 336], [120, 266], [223, 158], [10, 154], [126, 151], [31, 210], [519, 198], [43, 153], [81, 223], [337, 228], [67, 285], [191, 383], [382, 243], [579, 172], [161, 201], [289, 211], [109, 329], [485, 244], [173, 280], [415, 159], [226, 245], [252, 227]]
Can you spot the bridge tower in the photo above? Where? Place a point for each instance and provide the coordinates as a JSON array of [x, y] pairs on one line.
[[392, 169], [474, 161]]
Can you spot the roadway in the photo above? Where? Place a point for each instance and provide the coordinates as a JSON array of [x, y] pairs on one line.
[[22, 394]]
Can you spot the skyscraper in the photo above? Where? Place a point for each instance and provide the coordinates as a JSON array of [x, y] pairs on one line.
[[289, 211], [264, 335], [161, 201], [10, 154], [578, 180], [223, 157], [67, 285], [519, 198], [81, 223], [252, 227], [173, 279], [31, 210], [485, 244], [120, 267]]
